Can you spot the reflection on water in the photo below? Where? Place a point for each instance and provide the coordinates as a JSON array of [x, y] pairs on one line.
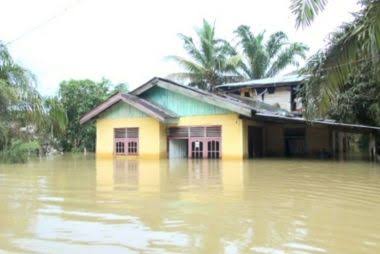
[[83, 205]]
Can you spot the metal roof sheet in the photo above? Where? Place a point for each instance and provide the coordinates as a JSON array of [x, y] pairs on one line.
[[273, 81]]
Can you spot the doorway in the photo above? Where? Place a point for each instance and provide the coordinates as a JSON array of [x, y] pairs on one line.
[[255, 142], [196, 142], [295, 142], [178, 148]]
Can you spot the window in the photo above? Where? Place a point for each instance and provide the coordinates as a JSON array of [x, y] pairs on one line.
[[197, 149], [213, 149], [132, 147], [126, 141], [119, 147]]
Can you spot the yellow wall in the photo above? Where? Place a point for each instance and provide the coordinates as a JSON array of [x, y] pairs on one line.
[[232, 131], [153, 138], [151, 134]]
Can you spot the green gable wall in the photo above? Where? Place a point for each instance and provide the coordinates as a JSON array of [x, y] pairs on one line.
[[180, 104], [122, 110]]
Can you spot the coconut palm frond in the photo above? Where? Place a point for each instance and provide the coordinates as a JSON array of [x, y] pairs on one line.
[[275, 43], [57, 118], [289, 56], [209, 58], [353, 44], [187, 64], [262, 58], [191, 49], [306, 10]]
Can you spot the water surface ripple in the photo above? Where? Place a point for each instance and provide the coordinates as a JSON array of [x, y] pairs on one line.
[[74, 204]]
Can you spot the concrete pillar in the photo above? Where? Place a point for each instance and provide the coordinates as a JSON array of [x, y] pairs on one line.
[[340, 145], [372, 147], [333, 143]]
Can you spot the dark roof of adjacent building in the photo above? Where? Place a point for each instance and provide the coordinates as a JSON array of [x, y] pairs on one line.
[[287, 80], [346, 127]]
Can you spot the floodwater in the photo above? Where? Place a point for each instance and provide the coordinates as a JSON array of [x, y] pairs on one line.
[[76, 204]]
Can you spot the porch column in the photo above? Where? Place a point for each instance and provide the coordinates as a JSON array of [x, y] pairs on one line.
[[333, 143], [372, 147], [341, 145]]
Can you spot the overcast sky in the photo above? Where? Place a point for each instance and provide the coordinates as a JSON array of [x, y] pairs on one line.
[[127, 41]]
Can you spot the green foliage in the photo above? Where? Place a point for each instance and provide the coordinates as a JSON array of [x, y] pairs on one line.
[[359, 99], [306, 10], [20, 103], [56, 116], [266, 58], [78, 97], [120, 88], [26, 118], [19, 151], [353, 46], [212, 61]]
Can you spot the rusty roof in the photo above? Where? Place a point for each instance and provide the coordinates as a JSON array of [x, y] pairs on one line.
[[220, 100], [145, 106], [246, 107]]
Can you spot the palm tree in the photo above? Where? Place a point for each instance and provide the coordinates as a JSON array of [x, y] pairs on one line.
[[20, 103], [56, 116], [354, 44], [261, 58], [211, 61], [306, 10], [22, 106]]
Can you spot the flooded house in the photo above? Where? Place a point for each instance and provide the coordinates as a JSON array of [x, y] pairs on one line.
[[164, 119]]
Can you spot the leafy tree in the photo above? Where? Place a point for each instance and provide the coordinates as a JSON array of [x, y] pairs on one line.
[[354, 44], [77, 98], [121, 87], [26, 119], [266, 58], [211, 61], [20, 103], [358, 100]]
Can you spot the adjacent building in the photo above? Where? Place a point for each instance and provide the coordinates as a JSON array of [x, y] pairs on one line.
[[164, 119], [279, 91]]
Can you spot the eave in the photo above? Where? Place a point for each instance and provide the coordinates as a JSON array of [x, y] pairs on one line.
[[144, 106]]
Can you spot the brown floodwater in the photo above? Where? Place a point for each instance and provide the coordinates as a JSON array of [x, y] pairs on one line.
[[75, 204]]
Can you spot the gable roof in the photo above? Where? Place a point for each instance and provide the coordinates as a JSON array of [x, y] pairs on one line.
[[219, 100], [145, 106], [287, 80], [246, 107]]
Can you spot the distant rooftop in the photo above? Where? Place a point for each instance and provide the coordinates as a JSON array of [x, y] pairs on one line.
[[287, 80]]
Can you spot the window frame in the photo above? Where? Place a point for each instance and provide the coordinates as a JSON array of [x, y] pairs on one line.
[[127, 142], [207, 136]]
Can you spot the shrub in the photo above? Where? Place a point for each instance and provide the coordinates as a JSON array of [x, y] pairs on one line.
[[19, 151]]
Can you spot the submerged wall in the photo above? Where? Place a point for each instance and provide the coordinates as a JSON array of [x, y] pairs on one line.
[[274, 139], [232, 131], [317, 139], [151, 136]]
